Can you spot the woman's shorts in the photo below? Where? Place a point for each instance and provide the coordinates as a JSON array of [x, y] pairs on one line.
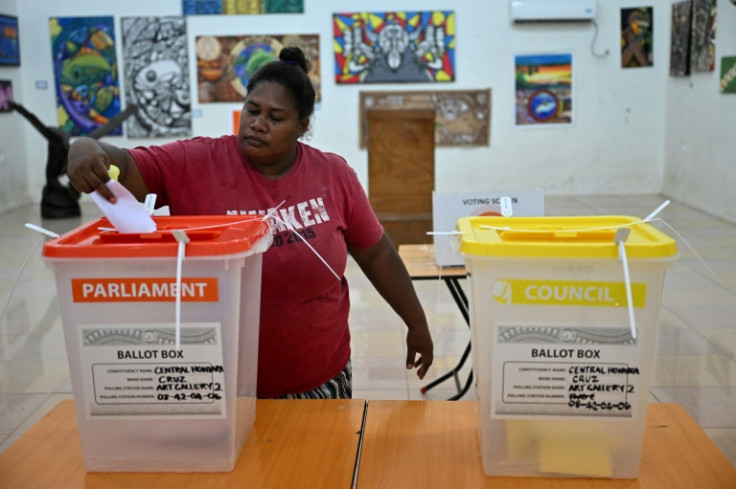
[[341, 387]]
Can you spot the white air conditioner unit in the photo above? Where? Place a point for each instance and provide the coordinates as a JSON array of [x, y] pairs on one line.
[[552, 10]]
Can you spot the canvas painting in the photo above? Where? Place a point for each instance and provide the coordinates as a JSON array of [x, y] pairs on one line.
[[637, 34], [237, 7], [728, 74], [236, 121], [155, 64], [9, 41], [543, 89], [394, 47], [201, 7], [463, 117], [680, 41], [85, 73], [226, 63], [703, 36], [6, 95]]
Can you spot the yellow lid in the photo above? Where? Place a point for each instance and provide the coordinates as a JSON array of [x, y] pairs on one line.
[[114, 172], [561, 237]]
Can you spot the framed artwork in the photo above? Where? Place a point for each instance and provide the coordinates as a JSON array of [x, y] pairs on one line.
[[680, 41], [728, 74], [703, 36], [237, 7], [201, 7], [6, 95], [155, 64], [85, 73], [236, 121], [637, 37], [462, 117], [394, 47], [543, 89], [9, 41], [226, 63]]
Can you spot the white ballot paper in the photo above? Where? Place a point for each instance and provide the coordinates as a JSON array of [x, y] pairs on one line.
[[127, 214]]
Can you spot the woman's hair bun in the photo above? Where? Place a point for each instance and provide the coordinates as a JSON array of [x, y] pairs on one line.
[[295, 56]]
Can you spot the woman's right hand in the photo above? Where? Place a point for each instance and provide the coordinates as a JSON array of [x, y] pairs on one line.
[[87, 167]]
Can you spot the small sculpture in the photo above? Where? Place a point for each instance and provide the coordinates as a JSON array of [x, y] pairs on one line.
[[57, 200]]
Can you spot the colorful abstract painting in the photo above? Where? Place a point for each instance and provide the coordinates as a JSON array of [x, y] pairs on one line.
[[237, 7], [728, 74], [703, 36], [155, 64], [9, 41], [236, 121], [543, 89], [85, 73], [637, 34], [462, 117], [226, 63], [394, 47], [680, 41], [6, 95]]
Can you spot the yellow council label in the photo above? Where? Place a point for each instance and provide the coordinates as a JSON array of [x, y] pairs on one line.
[[568, 293]]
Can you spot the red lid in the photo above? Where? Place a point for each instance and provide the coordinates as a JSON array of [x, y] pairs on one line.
[[208, 236]]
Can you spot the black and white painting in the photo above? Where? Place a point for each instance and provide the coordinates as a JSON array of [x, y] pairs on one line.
[[155, 66]]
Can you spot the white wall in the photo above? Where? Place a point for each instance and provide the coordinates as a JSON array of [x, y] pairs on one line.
[[616, 143], [700, 143], [13, 174]]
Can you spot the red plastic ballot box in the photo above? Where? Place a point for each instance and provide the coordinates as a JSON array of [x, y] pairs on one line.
[[144, 405]]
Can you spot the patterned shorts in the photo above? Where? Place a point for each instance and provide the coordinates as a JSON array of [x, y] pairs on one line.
[[341, 387]]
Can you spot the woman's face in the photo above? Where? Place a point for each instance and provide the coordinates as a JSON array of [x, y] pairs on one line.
[[269, 128]]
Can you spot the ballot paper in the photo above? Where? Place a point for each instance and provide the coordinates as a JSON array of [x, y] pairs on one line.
[[126, 214]]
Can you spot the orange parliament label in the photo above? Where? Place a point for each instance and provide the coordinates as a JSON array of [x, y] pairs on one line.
[[149, 289]]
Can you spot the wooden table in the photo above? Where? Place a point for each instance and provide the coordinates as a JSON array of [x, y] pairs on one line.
[[420, 262], [293, 443], [434, 444]]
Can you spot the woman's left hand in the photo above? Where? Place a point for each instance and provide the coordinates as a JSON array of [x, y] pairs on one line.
[[419, 342]]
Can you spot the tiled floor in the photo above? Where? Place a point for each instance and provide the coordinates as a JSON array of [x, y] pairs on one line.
[[695, 364]]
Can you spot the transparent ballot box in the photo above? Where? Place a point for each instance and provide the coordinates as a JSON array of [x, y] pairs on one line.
[[162, 340], [564, 319]]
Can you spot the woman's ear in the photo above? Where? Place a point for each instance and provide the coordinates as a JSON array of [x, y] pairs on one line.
[[303, 126]]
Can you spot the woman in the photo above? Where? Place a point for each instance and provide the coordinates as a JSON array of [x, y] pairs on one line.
[[304, 342]]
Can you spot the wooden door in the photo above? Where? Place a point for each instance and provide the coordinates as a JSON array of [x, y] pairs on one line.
[[401, 172]]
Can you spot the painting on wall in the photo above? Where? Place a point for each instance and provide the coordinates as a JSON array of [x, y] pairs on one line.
[[680, 41], [703, 36], [543, 89], [226, 63], [394, 47], [637, 37], [85, 73], [155, 64], [237, 7], [463, 117], [9, 41], [236, 121], [728, 74], [6, 95]]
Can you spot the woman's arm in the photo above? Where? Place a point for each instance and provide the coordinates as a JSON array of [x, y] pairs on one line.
[[384, 268], [89, 161]]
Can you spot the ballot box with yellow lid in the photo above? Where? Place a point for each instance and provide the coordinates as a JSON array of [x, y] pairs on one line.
[[161, 331], [564, 318]]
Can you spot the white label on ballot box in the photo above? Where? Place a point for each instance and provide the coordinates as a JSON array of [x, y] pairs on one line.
[[134, 370], [560, 370]]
